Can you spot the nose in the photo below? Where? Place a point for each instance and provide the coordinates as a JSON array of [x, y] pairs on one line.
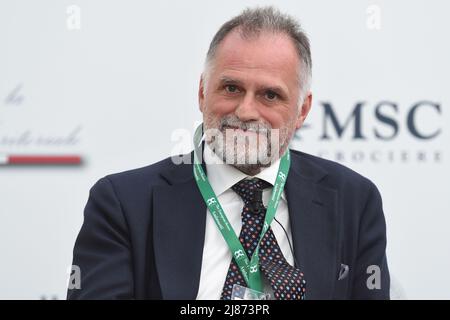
[[247, 110]]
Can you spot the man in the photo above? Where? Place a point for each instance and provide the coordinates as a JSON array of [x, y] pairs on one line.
[[149, 233]]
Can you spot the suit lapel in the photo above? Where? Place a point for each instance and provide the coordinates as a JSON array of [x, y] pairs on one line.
[[179, 218], [314, 221], [179, 221]]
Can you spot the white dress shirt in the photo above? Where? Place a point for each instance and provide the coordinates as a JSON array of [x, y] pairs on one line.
[[216, 253]]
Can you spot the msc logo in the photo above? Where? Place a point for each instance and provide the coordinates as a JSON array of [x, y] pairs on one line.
[[385, 114]]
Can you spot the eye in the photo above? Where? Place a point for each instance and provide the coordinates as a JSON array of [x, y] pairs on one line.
[[231, 88], [270, 95]]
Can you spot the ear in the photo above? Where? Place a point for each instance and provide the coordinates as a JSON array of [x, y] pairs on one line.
[[306, 107], [201, 96]]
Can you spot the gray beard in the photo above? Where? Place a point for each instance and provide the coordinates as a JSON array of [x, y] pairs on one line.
[[251, 169], [248, 160]]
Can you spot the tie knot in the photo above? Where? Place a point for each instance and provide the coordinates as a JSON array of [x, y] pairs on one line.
[[250, 190]]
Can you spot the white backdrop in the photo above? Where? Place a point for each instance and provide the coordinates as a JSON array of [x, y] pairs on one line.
[[111, 80]]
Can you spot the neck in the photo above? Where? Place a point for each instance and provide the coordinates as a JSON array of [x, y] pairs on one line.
[[249, 169]]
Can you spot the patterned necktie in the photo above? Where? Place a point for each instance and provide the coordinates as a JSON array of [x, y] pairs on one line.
[[286, 281]]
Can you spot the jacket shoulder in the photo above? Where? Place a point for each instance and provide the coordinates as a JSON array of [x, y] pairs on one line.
[[140, 179], [337, 174], [150, 171]]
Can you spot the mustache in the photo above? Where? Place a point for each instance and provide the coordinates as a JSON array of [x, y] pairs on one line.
[[252, 126]]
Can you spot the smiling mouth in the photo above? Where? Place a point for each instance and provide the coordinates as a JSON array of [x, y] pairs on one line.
[[234, 128]]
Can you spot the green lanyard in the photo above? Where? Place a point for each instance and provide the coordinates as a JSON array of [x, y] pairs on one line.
[[249, 268]]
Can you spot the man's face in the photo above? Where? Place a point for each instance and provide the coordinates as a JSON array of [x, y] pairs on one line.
[[252, 88]]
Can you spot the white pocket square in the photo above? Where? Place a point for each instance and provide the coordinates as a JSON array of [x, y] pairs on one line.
[[343, 273]]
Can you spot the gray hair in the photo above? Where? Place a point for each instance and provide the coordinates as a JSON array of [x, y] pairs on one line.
[[251, 22]]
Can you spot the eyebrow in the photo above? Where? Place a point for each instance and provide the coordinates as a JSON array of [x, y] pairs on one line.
[[224, 80], [228, 80]]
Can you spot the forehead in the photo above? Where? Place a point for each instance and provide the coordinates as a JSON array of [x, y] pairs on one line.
[[268, 54]]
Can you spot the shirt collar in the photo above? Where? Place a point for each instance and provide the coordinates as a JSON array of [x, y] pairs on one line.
[[222, 176]]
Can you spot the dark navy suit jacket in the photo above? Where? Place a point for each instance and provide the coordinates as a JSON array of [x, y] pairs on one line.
[[144, 231]]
